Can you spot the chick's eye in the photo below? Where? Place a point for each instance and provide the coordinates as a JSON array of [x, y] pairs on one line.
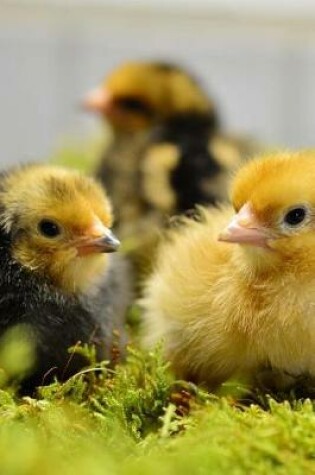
[[134, 105], [295, 216], [49, 228]]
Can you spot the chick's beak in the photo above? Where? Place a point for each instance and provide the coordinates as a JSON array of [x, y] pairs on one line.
[[99, 240], [98, 100], [244, 228], [106, 243]]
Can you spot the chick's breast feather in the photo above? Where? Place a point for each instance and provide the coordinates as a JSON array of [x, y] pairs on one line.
[[234, 294]]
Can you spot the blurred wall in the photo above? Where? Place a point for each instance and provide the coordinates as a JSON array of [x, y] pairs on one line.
[[258, 64]]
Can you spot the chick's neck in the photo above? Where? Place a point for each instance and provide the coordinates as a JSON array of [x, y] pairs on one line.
[[80, 275], [269, 267], [64, 269]]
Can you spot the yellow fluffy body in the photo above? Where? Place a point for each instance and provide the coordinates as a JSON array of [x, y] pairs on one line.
[[226, 310]]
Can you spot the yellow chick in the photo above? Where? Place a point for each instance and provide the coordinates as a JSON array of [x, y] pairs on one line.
[[233, 295]]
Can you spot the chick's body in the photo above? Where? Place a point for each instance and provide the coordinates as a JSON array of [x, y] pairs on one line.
[[56, 278], [227, 310]]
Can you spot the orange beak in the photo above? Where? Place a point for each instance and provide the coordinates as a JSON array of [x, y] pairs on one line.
[[99, 239], [98, 100], [245, 228]]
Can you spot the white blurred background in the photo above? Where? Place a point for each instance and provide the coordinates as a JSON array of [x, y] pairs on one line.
[[256, 58]]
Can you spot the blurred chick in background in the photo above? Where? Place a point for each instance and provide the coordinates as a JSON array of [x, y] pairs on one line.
[[234, 295], [168, 152], [56, 277]]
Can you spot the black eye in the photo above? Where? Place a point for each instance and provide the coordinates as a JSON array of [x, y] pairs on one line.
[[135, 105], [49, 228], [295, 216]]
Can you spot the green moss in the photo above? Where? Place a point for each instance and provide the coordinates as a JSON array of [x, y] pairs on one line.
[[138, 420]]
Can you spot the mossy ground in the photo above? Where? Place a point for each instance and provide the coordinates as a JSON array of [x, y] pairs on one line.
[[137, 420]]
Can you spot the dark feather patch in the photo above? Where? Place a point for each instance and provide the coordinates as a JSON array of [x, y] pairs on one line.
[[191, 134]]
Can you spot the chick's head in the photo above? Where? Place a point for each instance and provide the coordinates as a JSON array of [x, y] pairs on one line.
[[274, 198], [137, 95], [58, 224]]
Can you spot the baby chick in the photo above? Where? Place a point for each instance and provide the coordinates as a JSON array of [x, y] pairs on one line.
[[56, 276], [134, 99], [168, 152], [234, 295]]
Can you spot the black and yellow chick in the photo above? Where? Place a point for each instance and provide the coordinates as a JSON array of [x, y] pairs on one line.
[[168, 152], [134, 99], [56, 276]]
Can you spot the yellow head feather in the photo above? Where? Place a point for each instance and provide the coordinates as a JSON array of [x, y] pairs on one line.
[[164, 90], [74, 202]]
